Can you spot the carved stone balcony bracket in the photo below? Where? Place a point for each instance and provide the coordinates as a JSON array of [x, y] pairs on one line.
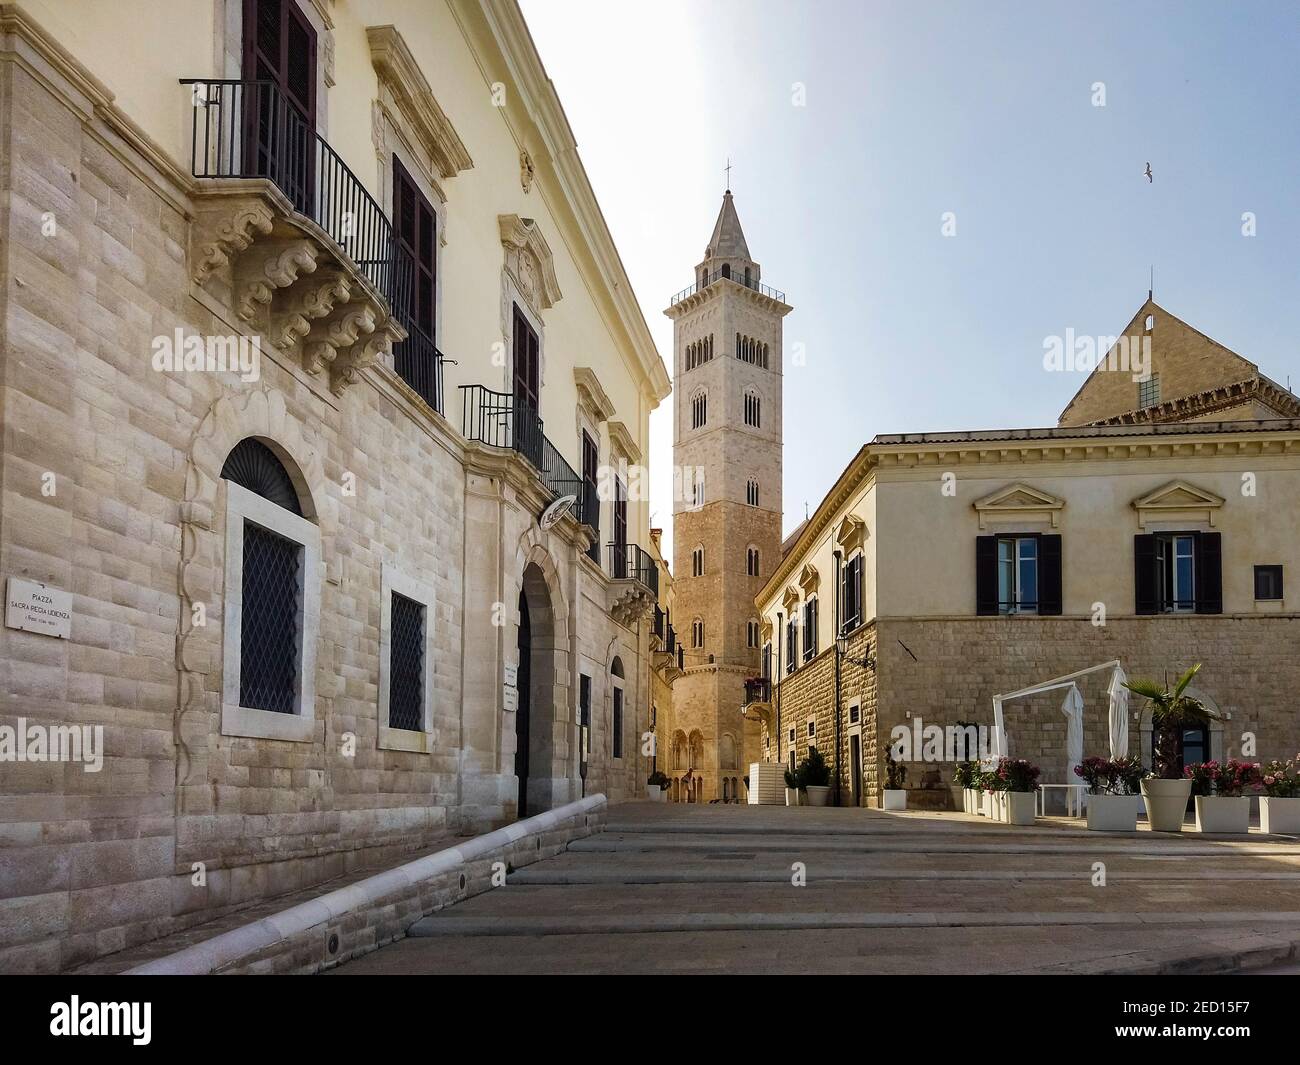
[[630, 601], [288, 281]]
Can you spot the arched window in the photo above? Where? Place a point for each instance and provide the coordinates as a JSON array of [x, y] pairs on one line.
[[697, 491], [752, 410], [679, 751], [726, 270], [726, 790], [751, 561], [727, 751], [751, 493], [697, 632], [751, 633], [697, 750], [699, 409], [272, 607], [697, 561]]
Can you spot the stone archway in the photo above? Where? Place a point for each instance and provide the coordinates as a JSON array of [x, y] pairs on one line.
[[542, 726]]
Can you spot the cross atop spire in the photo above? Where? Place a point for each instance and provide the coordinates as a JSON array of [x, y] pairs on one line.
[[728, 169]]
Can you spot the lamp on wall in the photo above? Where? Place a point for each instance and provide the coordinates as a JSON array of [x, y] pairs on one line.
[[867, 661]]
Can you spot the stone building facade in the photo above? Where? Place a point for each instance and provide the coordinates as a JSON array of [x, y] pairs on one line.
[[378, 583], [727, 442], [990, 561]]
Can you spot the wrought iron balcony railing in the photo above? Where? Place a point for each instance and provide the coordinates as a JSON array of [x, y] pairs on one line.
[[632, 562], [658, 626], [501, 419], [250, 129], [726, 275], [758, 690]]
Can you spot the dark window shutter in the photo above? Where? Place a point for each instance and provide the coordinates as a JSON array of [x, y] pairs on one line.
[[1145, 575], [986, 575], [1049, 574], [1209, 573]]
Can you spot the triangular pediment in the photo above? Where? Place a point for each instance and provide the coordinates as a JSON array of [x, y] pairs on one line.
[[1019, 501], [1178, 495], [851, 533], [1178, 501], [790, 596]]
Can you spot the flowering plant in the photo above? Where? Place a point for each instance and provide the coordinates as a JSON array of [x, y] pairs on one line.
[[1281, 780], [1227, 780], [988, 780], [1018, 774], [1107, 776], [1201, 774], [1235, 777], [1097, 773], [963, 774]]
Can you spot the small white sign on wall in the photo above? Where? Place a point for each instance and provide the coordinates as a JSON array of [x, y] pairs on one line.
[[510, 699], [510, 674], [39, 608]]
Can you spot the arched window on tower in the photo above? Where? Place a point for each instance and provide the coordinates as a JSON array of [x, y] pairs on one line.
[[697, 633], [726, 270], [697, 561], [753, 412], [751, 633], [751, 561], [699, 410], [751, 493]]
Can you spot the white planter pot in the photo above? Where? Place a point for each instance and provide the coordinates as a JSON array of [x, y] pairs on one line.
[[895, 799], [1112, 813], [1221, 813], [792, 796], [970, 801], [986, 804], [1000, 806], [1166, 803], [817, 795], [1279, 815], [652, 792], [1020, 807]]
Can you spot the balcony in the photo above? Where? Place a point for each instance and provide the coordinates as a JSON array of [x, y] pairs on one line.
[[634, 582], [501, 420], [669, 656], [758, 690], [726, 275], [287, 235]]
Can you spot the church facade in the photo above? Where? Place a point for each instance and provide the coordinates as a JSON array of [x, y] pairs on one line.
[[727, 356]]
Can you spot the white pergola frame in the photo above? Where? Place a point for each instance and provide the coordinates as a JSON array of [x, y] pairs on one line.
[[1067, 681]]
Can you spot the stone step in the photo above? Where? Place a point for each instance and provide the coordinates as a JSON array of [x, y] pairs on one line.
[[439, 925]]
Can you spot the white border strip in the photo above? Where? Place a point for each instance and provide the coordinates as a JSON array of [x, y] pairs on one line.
[[210, 955]]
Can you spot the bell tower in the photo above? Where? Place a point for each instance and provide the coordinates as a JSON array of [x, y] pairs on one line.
[[727, 500]]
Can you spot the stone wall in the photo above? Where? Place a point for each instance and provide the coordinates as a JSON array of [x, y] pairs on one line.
[[1249, 668]]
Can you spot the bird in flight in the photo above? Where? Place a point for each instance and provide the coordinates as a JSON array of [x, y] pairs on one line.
[[1149, 177]]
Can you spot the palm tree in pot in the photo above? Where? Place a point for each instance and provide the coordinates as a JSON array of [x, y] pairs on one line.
[[1172, 710]]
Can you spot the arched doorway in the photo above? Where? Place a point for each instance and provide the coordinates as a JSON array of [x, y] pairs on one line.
[[541, 731]]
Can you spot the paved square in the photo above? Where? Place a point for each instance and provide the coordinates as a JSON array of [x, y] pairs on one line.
[[696, 889]]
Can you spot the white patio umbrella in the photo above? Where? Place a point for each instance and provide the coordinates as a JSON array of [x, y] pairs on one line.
[[1072, 708], [1118, 713]]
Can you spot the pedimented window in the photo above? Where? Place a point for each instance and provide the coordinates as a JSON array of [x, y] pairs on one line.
[[1178, 501]]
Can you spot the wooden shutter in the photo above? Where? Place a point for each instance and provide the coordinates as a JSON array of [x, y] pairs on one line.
[[986, 575], [1209, 573], [1049, 574], [1146, 576]]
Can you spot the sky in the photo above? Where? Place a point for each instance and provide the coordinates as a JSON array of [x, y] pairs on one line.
[[857, 129]]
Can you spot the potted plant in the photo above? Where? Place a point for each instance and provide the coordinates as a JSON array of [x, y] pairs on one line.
[[983, 781], [815, 776], [656, 786], [1279, 806], [995, 788], [1112, 792], [1020, 780], [792, 787], [1222, 802], [895, 796], [1166, 791], [963, 776]]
